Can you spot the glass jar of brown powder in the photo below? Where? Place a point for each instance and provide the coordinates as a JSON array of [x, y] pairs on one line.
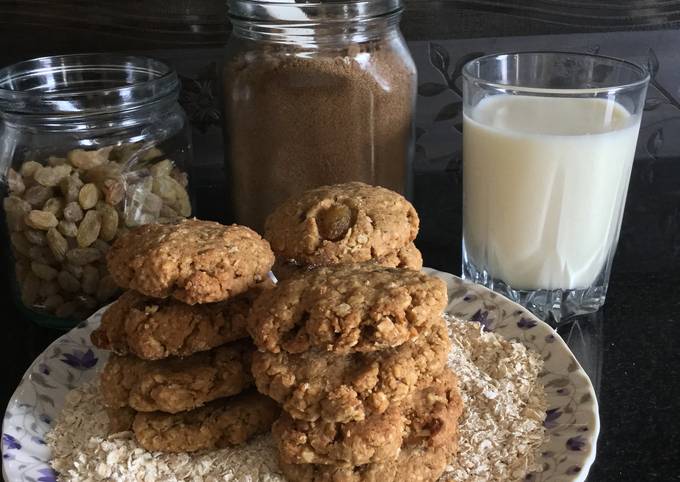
[[316, 93]]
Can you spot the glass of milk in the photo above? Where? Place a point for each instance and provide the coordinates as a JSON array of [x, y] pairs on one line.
[[548, 145]]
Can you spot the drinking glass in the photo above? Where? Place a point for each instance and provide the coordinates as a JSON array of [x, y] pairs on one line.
[[548, 145]]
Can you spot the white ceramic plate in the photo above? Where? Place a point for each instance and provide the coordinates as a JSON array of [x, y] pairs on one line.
[[572, 419]]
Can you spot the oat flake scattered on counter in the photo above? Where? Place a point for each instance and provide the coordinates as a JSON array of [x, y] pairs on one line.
[[501, 428]]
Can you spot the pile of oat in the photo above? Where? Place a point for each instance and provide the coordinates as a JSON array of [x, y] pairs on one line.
[[81, 451], [501, 428]]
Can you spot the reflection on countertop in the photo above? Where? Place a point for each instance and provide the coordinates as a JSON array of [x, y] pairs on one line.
[[584, 336]]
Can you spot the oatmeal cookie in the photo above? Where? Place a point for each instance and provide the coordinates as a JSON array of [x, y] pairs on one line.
[[406, 257], [222, 423], [342, 388], [346, 308], [193, 261], [152, 329], [414, 464], [343, 223], [177, 384], [430, 441], [376, 439]]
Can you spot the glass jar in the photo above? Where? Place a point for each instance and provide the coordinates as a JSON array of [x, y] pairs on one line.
[[90, 145], [315, 93]]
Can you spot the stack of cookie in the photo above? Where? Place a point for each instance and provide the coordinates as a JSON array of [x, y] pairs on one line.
[[179, 375], [356, 354], [343, 223]]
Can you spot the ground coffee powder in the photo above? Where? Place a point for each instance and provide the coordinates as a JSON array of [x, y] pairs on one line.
[[296, 122]]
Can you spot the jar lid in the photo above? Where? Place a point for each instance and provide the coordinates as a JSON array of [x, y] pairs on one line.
[[84, 84], [301, 11]]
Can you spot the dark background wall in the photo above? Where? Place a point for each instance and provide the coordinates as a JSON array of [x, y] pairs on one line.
[[35, 27], [190, 34]]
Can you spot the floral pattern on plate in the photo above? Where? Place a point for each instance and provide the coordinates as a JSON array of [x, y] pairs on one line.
[[572, 419]]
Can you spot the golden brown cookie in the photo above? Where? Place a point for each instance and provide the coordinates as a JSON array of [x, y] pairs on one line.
[[152, 329], [346, 308], [406, 257], [222, 423], [414, 464], [177, 384], [430, 441], [343, 223], [342, 388], [193, 261], [378, 438]]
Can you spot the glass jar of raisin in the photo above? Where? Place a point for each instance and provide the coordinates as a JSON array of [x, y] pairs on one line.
[[90, 145]]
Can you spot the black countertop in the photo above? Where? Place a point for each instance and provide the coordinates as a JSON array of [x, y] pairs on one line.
[[628, 350]]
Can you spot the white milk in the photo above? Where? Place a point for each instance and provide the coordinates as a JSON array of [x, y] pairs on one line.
[[545, 183]]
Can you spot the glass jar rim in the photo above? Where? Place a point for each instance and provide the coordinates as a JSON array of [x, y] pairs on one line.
[[641, 73], [296, 11], [84, 84]]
